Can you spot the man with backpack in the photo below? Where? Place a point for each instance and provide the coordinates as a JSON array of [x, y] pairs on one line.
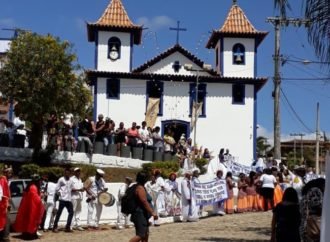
[[137, 202], [122, 219]]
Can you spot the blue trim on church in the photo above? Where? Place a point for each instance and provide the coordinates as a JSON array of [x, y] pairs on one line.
[[221, 56], [131, 56], [255, 114], [202, 90], [255, 58]]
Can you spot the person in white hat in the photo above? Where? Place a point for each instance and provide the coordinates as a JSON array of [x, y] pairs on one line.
[[76, 198], [94, 186]]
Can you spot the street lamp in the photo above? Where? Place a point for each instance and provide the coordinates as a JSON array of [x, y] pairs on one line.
[[205, 68]]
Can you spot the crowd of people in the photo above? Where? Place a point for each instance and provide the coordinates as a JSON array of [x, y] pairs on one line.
[[13, 134], [295, 198]]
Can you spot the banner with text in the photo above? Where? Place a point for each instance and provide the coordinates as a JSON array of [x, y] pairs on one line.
[[237, 168], [211, 192], [152, 111]]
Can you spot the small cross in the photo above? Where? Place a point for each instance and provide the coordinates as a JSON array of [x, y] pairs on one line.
[[178, 29], [234, 2]]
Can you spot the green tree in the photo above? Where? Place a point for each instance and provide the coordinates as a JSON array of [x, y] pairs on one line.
[[318, 12], [40, 74]]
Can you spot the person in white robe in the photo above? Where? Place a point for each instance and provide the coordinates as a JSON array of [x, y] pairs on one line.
[[160, 207], [122, 219], [196, 209], [189, 208], [218, 207], [172, 196]]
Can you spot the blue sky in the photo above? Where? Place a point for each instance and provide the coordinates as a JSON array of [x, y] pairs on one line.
[[66, 19]]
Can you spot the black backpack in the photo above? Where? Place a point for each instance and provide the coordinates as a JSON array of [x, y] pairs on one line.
[[129, 201]]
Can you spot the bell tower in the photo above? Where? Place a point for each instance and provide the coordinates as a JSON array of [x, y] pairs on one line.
[[114, 35], [236, 44]]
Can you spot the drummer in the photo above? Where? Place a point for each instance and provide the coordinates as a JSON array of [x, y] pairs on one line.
[[94, 186]]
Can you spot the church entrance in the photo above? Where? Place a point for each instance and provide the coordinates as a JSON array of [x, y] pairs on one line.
[[178, 127]]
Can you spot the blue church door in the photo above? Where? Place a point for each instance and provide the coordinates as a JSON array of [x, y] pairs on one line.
[[178, 127]]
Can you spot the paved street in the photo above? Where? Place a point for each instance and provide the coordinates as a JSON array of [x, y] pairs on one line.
[[250, 227]]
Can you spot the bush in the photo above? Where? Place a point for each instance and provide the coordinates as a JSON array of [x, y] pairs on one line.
[[2, 166], [201, 164], [28, 170], [166, 167]]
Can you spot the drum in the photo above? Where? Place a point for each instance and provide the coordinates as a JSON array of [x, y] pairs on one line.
[[107, 199]]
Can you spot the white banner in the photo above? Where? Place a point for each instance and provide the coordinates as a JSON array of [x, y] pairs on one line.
[[152, 111], [210, 192], [237, 168], [197, 107]]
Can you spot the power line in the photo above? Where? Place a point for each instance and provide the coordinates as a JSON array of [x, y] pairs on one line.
[[295, 113]]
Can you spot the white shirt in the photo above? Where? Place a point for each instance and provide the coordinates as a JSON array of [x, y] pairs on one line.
[[160, 184], [185, 188], [96, 186], [143, 134], [18, 122], [65, 188], [268, 181], [51, 189], [122, 191], [77, 184]]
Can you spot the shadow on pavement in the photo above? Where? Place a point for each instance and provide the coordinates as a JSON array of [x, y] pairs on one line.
[[259, 230]]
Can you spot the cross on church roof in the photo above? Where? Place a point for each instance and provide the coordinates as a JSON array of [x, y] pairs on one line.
[[178, 29]]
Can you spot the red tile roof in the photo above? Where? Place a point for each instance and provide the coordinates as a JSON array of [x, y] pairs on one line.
[[115, 15], [237, 22], [236, 25], [115, 18]]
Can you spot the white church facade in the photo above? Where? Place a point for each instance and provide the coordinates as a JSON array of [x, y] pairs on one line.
[[227, 94]]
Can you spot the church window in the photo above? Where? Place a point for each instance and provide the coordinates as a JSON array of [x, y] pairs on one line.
[[114, 48], [155, 89], [201, 97], [238, 54], [113, 88], [238, 94], [176, 66]]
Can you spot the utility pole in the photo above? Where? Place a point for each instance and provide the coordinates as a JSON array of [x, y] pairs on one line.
[[278, 22], [301, 145], [317, 154], [294, 147]]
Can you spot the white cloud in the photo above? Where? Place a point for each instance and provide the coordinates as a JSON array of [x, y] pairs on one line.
[[7, 22], [156, 23]]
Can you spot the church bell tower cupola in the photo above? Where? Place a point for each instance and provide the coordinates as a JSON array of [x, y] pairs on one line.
[[236, 44], [114, 35]]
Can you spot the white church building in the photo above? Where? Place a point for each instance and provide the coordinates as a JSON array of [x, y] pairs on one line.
[[227, 94]]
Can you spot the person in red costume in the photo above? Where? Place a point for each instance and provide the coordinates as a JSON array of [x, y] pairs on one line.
[[30, 211], [4, 203]]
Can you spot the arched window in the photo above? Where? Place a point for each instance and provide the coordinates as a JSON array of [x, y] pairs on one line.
[[238, 54], [114, 47]]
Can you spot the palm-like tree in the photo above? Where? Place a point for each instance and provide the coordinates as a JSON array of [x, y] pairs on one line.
[[318, 11]]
